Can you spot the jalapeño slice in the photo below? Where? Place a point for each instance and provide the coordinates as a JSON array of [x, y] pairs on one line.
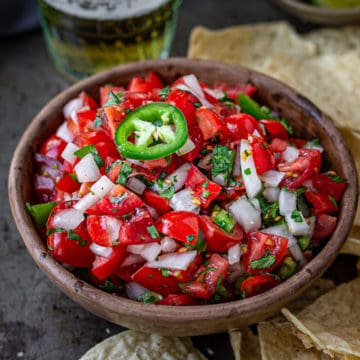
[[151, 131]]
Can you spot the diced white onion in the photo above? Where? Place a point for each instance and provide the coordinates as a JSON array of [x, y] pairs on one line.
[[311, 145], [234, 254], [104, 251], [256, 133], [287, 202], [300, 228], [151, 251], [68, 219], [154, 214], [298, 254], [97, 192], [174, 261], [251, 180], [136, 185], [184, 200], [64, 133], [178, 177], [169, 244], [113, 226], [86, 169], [256, 203], [271, 194], [205, 162], [216, 93], [237, 163], [186, 148], [134, 290], [132, 259], [135, 162], [272, 178], [72, 106], [291, 153], [193, 83], [135, 249], [309, 185], [68, 153], [281, 230], [245, 214], [219, 179]]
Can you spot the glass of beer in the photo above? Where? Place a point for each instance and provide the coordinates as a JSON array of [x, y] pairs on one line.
[[87, 36]]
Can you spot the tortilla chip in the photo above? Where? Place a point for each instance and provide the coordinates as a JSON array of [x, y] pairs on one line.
[[351, 246], [235, 340], [277, 341], [335, 41], [250, 349], [248, 45], [358, 268], [319, 287], [332, 322], [134, 345]]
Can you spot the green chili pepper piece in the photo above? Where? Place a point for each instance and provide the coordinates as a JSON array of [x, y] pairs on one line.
[[40, 212], [251, 107], [156, 130]]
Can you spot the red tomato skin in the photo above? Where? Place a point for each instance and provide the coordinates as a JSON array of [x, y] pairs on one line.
[[110, 206], [159, 203], [67, 184], [154, 80], [263, 157], [103, 267], [257, 245], [88, 101], [210, 123], [178, 300], [275, 129], [197, 138], [257, 284], [53, 147], [180, 225], [125, 273], [134, 230], [185, 101], [232, 91], [325, 226], [240, 126], [153, 280], [97, 229], [105, 90], [71, 252], [321, 203], [324, 185], [216, 239], [278, 145], [188, 274]]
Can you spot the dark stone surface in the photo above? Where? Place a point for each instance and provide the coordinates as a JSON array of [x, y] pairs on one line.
[[37, 321]]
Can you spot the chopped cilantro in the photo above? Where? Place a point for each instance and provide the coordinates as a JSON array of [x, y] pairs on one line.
[[247, 171], [114, 99], [90, 149], [72, 235], [149, 298], [97, 121], [163, 175], [222, 161], [54, 230], [164, 93], [287, 126], [296, 216], [168, 193], [111, 287], [190, 238], [117, 200], [200, 245], [124, 173], [197, 104], [160, 183], [165, 272], [266, 261], [220, 288], [335, 178], [205, 184], [205, 194], [332, 200]]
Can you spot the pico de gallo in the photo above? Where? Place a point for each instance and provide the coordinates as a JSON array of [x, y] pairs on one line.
[[182, 194]]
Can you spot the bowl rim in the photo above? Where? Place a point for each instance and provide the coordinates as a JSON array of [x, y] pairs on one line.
[[62, 277]]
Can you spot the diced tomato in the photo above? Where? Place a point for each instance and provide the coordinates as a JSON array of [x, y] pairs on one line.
[[99, 228], [69, 247], [325, 226], [204, 190], [105, 266], [159, 203], [197, 138], [210, 123], [137, 99], [259, 245], [186, 102], [67, 184], [322, 203], [188, 274], [232, 91], [53, 147], [208, 277], [275, 129], [90, 137], [325, 184], [257, 284], [307, 164], [119, 201], [154, 80], [152, 164], [297, 142], [126, 272], [88, 101], [105, 90], [218, 240], [138, 84], [240, 126], [153, 280], [180, 225], [138, 229], [231, 193], [278, 145], [263, 156], [178, 300]]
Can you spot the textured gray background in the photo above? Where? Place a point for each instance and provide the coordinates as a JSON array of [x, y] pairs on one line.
[[37, 321]]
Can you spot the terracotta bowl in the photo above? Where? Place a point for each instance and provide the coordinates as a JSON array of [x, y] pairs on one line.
[[307, 120], [320, 15]]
